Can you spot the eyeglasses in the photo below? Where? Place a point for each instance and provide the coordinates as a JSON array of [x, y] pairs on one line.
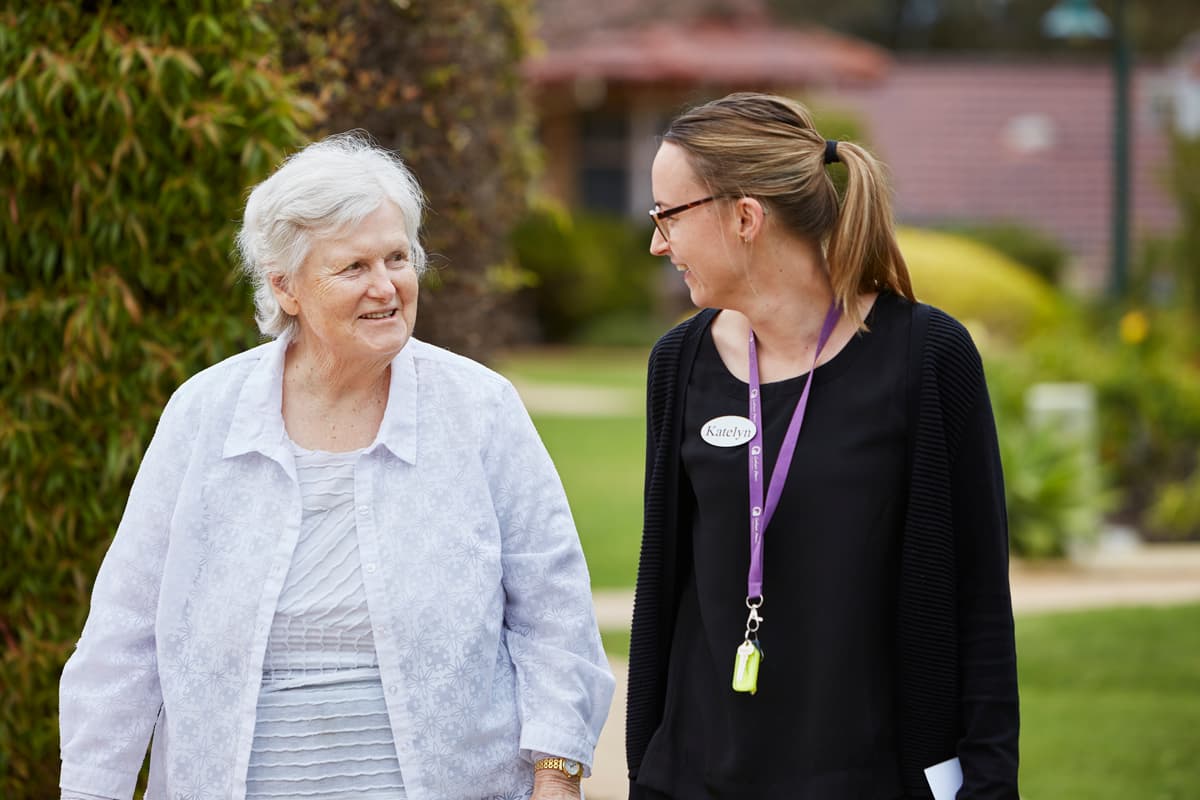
[[659, 217]]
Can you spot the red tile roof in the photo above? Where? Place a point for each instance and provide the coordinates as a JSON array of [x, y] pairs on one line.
[[562, 22], [712, 53], [1027, 142]]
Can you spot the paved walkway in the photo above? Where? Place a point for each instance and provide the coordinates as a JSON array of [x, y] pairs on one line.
[[1148, 575]]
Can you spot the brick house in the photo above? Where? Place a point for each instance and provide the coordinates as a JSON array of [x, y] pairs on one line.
[[967, 138], [612, 74]]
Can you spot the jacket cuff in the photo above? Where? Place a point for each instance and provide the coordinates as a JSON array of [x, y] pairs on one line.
[[541, 741]]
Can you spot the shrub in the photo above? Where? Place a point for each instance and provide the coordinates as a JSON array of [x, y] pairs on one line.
[[1031, 249], [1147, 379], [989, 292], [1175, 512], [128, 134], [587, 271], [1052, 489]]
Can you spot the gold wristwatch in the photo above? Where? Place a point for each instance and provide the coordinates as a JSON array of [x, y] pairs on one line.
[[572, 769]]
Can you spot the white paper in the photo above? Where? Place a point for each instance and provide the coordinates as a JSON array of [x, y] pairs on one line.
[[944, 779]]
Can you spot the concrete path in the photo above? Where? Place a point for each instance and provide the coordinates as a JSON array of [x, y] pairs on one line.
[[1148, 575]]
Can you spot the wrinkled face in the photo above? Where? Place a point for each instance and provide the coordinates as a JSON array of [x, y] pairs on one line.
[[698, 246], [355, 295]]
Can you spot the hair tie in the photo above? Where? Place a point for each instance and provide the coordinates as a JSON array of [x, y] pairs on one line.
[[831, 154]]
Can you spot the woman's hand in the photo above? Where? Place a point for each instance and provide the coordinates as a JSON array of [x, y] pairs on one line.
[[550, 784]]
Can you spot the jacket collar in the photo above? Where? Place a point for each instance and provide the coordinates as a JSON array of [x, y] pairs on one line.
[[257, 424]]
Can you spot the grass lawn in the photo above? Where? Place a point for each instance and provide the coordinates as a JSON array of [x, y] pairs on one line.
[[600, 459], [622, 368], [1110, 703]]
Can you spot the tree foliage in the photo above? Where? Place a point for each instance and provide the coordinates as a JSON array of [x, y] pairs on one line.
[[1155, 27], [437, 81], [128, 135]]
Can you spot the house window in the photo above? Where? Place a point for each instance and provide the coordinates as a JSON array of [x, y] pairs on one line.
[[604, 161]]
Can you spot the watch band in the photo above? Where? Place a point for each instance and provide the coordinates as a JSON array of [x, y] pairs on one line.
[[572, 769]]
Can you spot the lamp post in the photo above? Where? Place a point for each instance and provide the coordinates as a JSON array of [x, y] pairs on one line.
[[1080, 19]]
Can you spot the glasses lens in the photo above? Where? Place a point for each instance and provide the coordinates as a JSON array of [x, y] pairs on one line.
[[662, 228]]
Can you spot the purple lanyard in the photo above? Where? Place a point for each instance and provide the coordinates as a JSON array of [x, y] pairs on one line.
[[760, 515]]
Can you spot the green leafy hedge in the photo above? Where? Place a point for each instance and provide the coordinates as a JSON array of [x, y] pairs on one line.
[[988, 291], [1145, 367], [1032, 249], [587, 272], [128, 135]]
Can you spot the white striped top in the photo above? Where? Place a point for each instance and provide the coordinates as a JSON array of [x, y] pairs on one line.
[[322, 728]]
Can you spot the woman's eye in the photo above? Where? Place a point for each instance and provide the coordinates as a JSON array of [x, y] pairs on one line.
[[357, 265], [398, 257]]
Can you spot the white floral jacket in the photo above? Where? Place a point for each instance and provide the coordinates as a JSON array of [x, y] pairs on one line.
[[475, 582]]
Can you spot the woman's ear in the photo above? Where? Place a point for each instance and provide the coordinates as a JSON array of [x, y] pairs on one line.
[[751, 216], [283, 295]]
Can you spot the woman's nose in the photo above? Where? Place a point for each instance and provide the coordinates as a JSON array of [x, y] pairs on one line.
[[659, 246], [381, 281]]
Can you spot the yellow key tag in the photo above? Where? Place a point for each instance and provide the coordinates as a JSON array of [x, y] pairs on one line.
[[745, 668]]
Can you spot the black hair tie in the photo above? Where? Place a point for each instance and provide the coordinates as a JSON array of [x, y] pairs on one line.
[[831, 154]]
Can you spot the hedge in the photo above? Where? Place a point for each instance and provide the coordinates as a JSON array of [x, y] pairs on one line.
[[128, 135]]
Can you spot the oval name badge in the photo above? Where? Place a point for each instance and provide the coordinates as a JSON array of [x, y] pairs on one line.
[[729, 431]]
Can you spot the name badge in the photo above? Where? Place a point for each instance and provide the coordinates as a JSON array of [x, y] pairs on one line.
[[729, 431]]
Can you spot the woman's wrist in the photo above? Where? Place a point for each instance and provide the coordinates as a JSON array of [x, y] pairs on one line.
[[550, 783]]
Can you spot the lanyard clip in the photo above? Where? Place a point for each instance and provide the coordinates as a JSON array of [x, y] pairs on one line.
[[753, 620]]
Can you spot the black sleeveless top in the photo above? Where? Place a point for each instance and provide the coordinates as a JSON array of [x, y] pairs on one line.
[[823, 723]]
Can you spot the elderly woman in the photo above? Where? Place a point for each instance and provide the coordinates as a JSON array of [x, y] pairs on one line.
[[347, 567]]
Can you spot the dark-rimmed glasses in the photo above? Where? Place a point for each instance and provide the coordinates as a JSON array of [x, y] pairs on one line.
[[660, 215]]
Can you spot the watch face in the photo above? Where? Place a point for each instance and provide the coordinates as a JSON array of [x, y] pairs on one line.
[[572, 768]]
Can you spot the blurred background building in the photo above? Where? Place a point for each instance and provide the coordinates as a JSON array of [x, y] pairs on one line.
[[974, 133]]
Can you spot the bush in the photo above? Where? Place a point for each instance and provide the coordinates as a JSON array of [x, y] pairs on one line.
[[1144, 364], [1146, 371], [128, 135], [1052, 490], [587, 271], [1176, 510], [987, 291], [1032, 249]]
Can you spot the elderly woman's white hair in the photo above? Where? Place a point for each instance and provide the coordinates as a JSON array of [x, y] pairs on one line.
[[321, 190]]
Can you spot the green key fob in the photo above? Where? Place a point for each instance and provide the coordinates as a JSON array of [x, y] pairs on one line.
[[745, 667]]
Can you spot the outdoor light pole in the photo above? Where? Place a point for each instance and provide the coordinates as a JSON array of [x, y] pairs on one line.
[[1121, 184], [1080, 19]]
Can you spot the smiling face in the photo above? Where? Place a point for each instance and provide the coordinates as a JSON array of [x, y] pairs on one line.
[[355, 294], [698, 245]]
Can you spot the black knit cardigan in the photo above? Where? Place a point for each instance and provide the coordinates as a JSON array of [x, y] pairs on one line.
[[957, 684]]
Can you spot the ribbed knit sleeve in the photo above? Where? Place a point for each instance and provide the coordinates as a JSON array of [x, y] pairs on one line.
[[655, 593], [955, 628]]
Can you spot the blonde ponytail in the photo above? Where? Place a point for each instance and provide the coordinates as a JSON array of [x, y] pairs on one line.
[[863, 254]]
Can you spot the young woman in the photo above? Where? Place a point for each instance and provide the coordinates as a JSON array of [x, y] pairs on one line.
[[822, 605]]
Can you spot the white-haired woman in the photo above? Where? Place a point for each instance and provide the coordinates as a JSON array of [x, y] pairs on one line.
[[347, 567]]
